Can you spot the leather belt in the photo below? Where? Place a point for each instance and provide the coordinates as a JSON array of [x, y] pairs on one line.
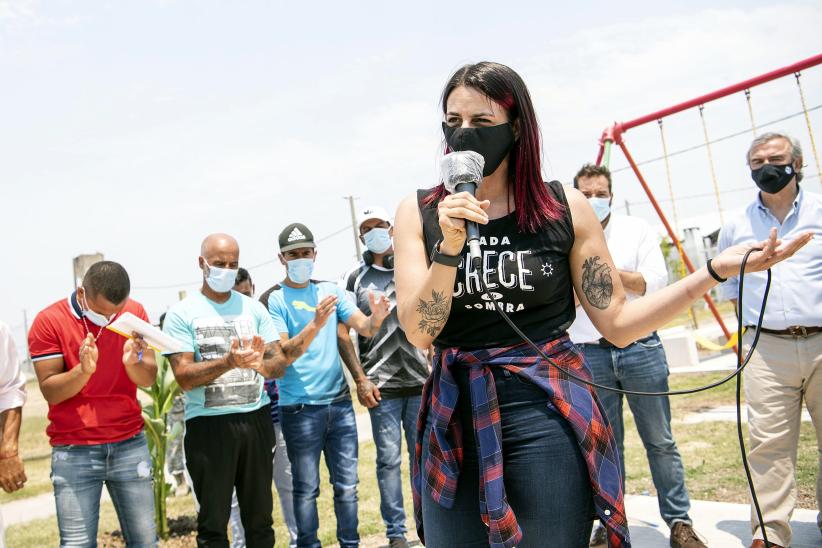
[[605, 343], [793, 331]]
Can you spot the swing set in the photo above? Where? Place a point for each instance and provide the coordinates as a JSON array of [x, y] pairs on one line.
[[615, 135]]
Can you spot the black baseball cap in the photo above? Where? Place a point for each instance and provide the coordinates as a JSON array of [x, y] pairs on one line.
[[294, 236]]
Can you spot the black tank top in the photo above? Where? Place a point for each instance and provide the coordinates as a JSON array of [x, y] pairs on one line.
[[529, 273]]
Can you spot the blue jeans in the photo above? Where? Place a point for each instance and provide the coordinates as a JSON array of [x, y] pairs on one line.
[[546, 479], [331, 429], [642, 366], [388, 420], [78, 473]]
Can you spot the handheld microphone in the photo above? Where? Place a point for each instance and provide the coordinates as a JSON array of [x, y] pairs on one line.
[[462, 172]]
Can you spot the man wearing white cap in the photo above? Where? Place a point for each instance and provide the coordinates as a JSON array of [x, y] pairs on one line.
[[392, 363]]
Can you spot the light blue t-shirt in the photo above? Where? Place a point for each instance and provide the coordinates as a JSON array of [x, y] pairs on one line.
[[206, 328], [316, 377]]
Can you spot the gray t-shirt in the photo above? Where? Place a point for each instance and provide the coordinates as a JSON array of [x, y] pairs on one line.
[[397, 367]]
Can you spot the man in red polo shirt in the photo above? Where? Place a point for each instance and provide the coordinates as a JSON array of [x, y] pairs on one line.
[[89, 377]]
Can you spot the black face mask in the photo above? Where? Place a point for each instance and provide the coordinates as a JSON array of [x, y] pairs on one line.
[[493, 142], [771, 179]]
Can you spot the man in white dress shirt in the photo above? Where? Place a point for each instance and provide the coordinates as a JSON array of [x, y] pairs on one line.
[[641, 366], [12, 398]]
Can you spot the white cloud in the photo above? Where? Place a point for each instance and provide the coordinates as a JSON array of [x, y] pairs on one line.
[[16, 9]]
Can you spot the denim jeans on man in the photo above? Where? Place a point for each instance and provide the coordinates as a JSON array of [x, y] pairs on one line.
[[546, 478], [78, 473], [388, 420], [331, 429], [642, 366]]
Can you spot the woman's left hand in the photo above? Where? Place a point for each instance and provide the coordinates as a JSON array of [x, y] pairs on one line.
[[769, 252]]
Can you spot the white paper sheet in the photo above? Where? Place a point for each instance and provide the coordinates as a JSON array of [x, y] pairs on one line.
[[128, 323]]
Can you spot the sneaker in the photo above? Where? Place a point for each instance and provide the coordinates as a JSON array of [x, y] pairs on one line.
[[599, 538], [397, 542], [684, 536]]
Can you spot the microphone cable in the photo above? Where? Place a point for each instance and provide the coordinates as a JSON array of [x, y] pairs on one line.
[[737, 373]]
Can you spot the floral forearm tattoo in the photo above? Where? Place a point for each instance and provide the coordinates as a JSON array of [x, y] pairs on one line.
[[434, 313], [596, 282]]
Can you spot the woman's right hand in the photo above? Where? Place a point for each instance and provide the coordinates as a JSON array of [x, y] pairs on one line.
[[453, 211]]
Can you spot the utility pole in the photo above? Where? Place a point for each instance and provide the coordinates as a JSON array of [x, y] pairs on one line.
[[357, 245], [627, 208], [81, 264]]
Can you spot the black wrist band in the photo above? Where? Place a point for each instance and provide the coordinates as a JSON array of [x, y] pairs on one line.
[[441, 258], [713, 273]]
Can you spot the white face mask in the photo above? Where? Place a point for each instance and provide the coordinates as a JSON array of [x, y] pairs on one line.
[[95, 317], [602, 207], [377, 240], [300, 270], [220, 280]]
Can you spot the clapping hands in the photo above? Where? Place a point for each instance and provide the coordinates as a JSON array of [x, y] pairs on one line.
[[246, 353]]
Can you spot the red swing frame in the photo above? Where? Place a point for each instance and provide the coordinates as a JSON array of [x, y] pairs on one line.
[[614, 134]]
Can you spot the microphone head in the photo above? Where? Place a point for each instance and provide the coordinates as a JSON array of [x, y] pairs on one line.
[[461, 167]]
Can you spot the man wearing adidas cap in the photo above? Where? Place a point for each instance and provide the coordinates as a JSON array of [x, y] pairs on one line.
[[392, 363], [316, 414]]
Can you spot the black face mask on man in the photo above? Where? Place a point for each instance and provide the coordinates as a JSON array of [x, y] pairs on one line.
[[772, 178], [493, 142]]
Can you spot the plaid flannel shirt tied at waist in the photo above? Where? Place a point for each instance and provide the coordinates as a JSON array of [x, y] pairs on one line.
[[574, 401]]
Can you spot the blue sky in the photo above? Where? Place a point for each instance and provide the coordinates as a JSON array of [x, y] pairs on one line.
[[136, 128]]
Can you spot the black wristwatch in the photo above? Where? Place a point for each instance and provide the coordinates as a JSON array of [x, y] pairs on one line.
[[447, 260]]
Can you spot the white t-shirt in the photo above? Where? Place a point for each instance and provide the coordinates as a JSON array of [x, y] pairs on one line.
[[634, 247]]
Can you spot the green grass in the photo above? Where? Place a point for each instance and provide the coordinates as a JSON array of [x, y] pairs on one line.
[[710, 450], [43, 532]]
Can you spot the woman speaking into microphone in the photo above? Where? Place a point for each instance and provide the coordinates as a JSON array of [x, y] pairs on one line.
[[510, 451]]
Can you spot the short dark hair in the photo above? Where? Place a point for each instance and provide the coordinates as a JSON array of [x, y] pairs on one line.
[[590, 170], [108, 279], [242, 276]]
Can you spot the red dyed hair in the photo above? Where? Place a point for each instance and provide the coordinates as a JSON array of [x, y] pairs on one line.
[[534, 205]]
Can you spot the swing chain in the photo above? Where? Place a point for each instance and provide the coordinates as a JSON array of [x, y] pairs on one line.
[[797, 75], [750, 111], [711, 164], [670, 182]]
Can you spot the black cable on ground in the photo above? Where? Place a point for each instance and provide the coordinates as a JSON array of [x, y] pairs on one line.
[[741, 438]]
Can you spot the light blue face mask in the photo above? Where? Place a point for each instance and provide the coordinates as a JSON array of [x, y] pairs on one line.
[[220, 280], [602, 207], [95, 317], [300, 270], [377, 240]]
